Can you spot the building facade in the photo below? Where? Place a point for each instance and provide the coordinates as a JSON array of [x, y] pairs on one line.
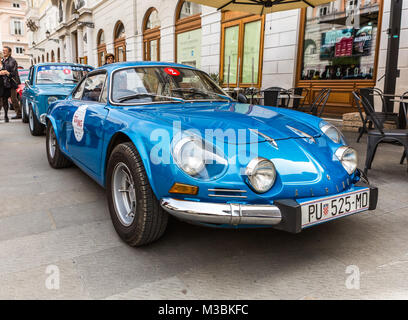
[[13, 31], [341, 45]]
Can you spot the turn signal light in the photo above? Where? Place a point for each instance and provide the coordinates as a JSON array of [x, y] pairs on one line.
[[184, 189]]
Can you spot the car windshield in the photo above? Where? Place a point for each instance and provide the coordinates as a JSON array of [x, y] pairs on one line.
[[164, 84], [61, 74], [23, 76]]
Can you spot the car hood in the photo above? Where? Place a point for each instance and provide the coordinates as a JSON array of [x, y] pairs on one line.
[[55, 89], [267, 121]]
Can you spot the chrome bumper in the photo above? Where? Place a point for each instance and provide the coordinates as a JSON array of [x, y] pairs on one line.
[[223, 213]]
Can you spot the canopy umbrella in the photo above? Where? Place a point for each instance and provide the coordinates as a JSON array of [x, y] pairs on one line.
[[260, 6]]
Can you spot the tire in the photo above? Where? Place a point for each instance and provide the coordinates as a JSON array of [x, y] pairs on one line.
[[55, 157], [36, 128], [149, 220], [24, 114]]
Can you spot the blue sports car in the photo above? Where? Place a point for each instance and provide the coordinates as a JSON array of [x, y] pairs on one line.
[[47, 83], [165, 139]]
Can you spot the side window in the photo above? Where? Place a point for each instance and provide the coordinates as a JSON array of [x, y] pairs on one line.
[[93, 87], [77, 95]]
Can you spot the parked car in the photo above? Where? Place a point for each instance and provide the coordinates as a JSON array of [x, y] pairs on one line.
[[23, 74], [143, 131], [47, 83]]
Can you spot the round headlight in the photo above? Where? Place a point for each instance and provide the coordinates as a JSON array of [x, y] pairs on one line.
[[198, 159], [332, 132], [261, 174], [348, 158], [52, 99], [188, 154]]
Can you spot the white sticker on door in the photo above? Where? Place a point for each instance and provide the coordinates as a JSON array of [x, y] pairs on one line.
[[78, 122]]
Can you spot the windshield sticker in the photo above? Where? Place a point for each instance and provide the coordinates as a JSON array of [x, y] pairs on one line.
[[67, 71], [78, 122], [172, 72], [69, 68]]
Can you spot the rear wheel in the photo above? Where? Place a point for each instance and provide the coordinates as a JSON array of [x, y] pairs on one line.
[[56, 158], [36, 128], [136, 213]]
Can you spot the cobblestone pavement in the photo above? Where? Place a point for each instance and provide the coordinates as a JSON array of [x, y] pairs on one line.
[[60, 218]]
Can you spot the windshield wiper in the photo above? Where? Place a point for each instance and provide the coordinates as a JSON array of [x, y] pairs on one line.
[[151, 95], [46, 79], [202, 93]]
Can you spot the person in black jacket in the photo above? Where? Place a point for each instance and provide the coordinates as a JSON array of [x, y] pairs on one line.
[[13, 79], [4, 92]]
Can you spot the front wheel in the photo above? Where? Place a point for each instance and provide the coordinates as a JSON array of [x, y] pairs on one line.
[[36, 128], [136, 213], [24, 111]]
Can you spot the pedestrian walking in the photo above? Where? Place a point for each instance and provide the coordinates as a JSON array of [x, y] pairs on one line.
[[12, 80], [4, 92]]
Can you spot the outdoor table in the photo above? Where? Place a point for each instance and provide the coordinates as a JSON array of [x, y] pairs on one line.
[[260, 97], [402, 112], [387, 95], [289, 96]]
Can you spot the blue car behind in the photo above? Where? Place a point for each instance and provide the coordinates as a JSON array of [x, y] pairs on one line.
[[165, 139], [48, 83]]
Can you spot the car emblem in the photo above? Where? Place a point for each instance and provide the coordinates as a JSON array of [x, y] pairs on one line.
[[302, 134], [267, 138]]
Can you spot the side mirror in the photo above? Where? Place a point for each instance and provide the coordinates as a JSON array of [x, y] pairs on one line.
[[242, 98]]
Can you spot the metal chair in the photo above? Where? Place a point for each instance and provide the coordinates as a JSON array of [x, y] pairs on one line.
[[383, 116], [379, 134], [298, 91], [319, 103], [271, 96], [403, 119]]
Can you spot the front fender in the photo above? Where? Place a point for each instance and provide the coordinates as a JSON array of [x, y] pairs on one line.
[[138, 141], [51, 120]]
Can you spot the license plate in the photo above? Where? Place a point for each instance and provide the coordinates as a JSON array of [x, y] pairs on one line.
[[324, 210]]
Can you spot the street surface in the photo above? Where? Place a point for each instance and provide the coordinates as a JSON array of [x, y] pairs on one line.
[[58, 220]]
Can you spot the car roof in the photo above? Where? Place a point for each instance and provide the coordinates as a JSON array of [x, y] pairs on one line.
[[119, 65]]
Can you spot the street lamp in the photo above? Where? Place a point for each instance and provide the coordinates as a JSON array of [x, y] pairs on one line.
[[48, 34]]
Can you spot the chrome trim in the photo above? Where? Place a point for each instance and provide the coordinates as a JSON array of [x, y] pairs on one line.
[[226, 196], [227, 190], [223, 213], [267, 138], [302, 134]]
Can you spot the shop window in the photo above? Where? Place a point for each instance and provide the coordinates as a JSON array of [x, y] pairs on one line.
[[338, 46], [188, 34], [120, 42], [151, 35], [242, 48]]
